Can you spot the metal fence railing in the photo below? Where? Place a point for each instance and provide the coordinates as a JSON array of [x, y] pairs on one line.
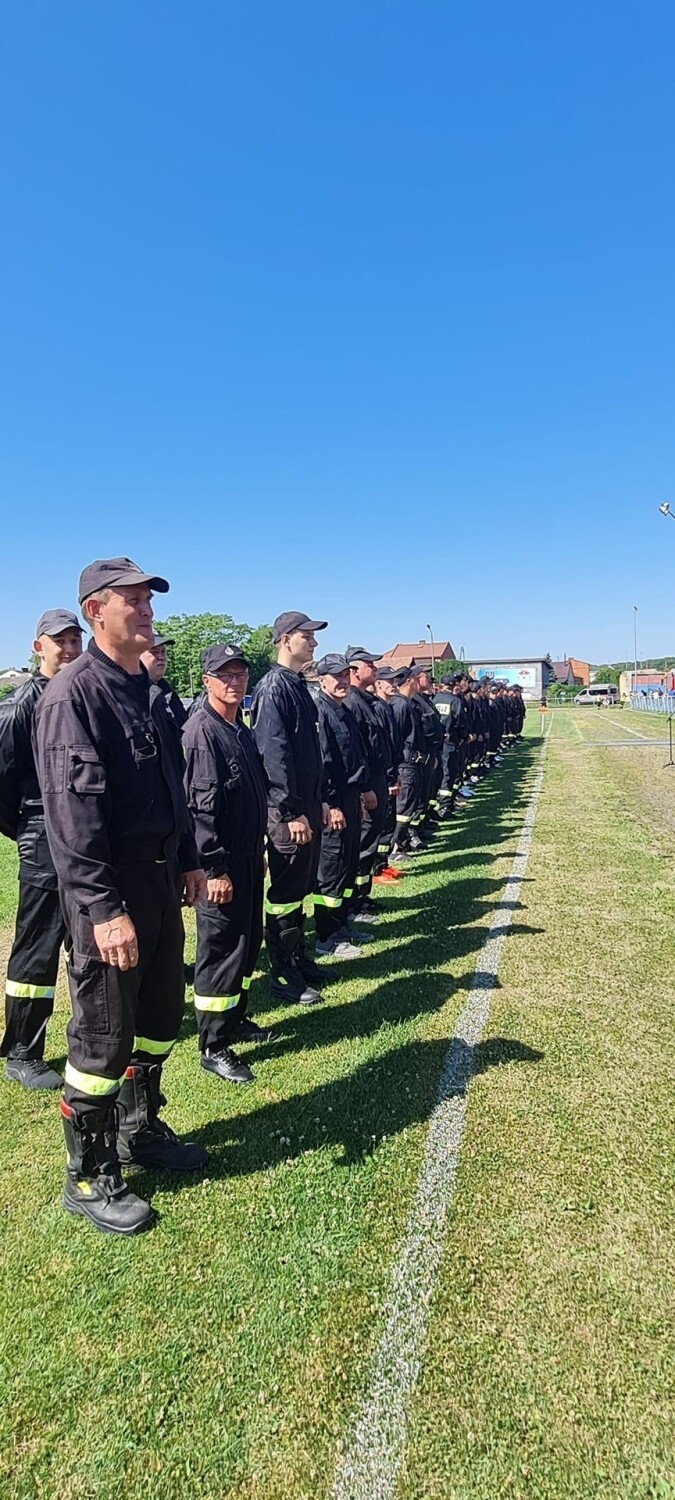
[[653, 703]]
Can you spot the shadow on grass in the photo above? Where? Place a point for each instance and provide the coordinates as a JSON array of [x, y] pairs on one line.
[[350, 1115]]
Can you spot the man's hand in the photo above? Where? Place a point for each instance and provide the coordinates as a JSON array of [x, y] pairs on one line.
[[194, 887], [220, 890], [395, 789], [325, 815], [369, 801], [117, 942], [299, 830], [337, 819]]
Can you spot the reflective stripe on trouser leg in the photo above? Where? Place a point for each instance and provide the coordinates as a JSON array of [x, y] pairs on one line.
[[154, 1049], [281, 908], [216, 1003], [91, 1084], [20, 991]]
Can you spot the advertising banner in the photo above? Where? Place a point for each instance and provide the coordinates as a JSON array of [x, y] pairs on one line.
[[523, 676]]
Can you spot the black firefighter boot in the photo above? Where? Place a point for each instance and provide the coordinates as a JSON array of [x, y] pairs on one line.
[[308, 968], [94, 1186], [288, 982], [141, 1136]]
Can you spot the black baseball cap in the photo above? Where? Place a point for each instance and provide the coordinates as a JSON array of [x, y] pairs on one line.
[[215, 657], [294, 620], [53, 621], [359, 653], [385, 674], [106, 572], [162, 640], [332, 664], [401, 675]]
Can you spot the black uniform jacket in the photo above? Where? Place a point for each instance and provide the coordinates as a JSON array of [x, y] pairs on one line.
[[226, 790], [284, 725], [413, 750], [453, 719], [31, 837], [389, 727], [431, 724], [343, 752], [111, 775], [375, 735], [174, 704]]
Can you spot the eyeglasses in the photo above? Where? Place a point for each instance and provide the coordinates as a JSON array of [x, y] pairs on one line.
[[233, 674]]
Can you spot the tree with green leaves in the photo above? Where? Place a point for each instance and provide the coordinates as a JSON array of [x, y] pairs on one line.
[[191, 634]]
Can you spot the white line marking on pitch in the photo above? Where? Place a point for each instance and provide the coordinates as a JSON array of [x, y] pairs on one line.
[[373, 1450], [619, 725]]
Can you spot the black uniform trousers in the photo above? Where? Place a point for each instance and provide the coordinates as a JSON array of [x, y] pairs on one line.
[[32, 969], [131, 1015], [372, 826], [450, 769], [293, 869], [386, 836], [228, 944], [407, 801], [338, 864]]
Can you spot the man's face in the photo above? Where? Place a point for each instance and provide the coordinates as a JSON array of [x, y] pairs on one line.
[[385, 688], [155, 662], [336, 687], [425, 682], [55, 651], [362, 673], [301, 644], [125, 615], [228, 685]]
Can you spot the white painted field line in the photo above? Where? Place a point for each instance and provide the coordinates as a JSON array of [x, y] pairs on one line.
[[618, 725], [373, 1449]]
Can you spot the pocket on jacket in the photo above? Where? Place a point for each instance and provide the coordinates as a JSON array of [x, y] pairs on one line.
[[86, 773]]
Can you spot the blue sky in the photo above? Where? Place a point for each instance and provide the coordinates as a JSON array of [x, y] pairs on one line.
[[364, 309]]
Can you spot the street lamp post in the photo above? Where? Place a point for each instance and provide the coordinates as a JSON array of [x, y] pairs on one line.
[[635, 615], [431, 636], [666, 511]]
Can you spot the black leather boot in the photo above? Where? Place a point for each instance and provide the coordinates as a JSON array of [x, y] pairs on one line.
[[288, 982], [94, 1186], [141, 1136]]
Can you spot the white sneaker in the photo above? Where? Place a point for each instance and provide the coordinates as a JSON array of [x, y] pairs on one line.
[[465, 791]]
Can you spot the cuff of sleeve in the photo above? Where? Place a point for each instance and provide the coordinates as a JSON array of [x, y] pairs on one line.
[[188, 858], [106, 909]]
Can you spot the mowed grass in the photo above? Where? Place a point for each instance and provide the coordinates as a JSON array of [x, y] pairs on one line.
[[550, 1367], [223, 1354]]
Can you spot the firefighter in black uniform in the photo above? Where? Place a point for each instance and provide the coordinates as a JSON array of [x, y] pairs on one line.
[[424, 704], [227, 796], [123, 847], [384, 690], [453, 717], [364, 706], [413, 753], [154, 661], [284, 724], [345, 789], [34, 959]]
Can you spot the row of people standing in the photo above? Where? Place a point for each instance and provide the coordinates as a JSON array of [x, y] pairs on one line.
[[121, 822]]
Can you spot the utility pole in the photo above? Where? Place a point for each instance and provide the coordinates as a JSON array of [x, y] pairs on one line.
[[635, 615]]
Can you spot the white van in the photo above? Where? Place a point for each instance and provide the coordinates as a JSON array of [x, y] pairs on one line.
[[601, 693]]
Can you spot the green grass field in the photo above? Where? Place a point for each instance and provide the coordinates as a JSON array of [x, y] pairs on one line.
[[223, 1354]]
